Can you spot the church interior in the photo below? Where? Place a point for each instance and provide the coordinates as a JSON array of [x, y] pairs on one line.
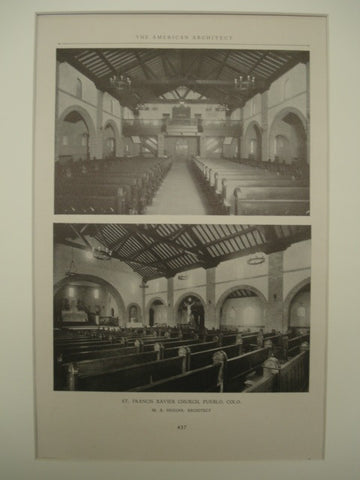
[[181, 307], [182, 131]]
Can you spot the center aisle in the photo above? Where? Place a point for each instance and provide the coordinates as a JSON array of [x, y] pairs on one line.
[[179, 193]]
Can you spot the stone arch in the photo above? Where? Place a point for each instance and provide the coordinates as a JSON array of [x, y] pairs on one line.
[[111, 123], [93, 278], [183, 297], [252, 129], [86, 117], [151, 301], [285, 94], [295, 126], [150, 304], [138, 309], [291, 295], [227, 292], [79, 88]]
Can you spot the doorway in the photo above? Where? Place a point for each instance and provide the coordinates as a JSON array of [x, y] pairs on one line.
[[182, 148]]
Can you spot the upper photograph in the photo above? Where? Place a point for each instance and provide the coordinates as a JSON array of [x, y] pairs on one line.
[[182, 132]]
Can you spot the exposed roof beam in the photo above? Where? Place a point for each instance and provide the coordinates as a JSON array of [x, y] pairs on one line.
[[105, 60], [201, 247], [194, 62], [301, 57], [160, 261], [222, 65], [258, 62], [80, 236], [159, 238], [171, 66]]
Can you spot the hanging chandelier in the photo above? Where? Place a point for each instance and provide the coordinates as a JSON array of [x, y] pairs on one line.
[[102, 253], [256, 259], [223, 107], [244, 83], [120, 82], [72, 270]]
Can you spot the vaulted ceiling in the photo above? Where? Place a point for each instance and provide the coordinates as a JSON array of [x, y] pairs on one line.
[[156, 72], [164, 250]]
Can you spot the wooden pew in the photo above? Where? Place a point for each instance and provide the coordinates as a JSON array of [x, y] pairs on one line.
[[123, 379], [271, 200], [237, 369], [294, 374], [203, 358], [291, 376], [161, 344], [89, 194], [210, 378], [206, 379], [192, 347], [233, 189], [249, 179], [69, 373], [76, 356], [294, 344], [95, 191], [137, 344], [262, 385]]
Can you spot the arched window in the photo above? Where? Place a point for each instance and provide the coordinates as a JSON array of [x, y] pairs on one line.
[[286, 89], [253, 146], [85, 139], [79, 91], [253, 106]]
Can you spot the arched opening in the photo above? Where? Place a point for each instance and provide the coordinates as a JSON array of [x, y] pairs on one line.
[[79, 88], [181, 148], [286, 90], [190, 311], [241, 308], [157, 313], [134, 318], [109, 141], [288, 139], [253, 141], [282, 148], [299, 310], [84, 300], [74, 137]]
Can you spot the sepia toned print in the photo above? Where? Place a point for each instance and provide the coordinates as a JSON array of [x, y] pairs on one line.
[[155, 313], [182, 131], [181, 308]]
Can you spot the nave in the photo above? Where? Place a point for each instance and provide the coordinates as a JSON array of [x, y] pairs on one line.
[[230, 137], [179, 188], [204, 308]]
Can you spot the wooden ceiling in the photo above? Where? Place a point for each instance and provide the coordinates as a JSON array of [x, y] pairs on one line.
[[164, 250], [155, 72]]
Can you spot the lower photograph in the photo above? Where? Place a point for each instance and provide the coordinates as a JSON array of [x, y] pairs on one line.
[[181, 307]]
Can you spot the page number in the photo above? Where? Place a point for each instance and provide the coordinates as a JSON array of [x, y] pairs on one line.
[[181, 427]]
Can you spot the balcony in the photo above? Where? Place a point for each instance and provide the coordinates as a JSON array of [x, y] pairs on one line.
[[137, 127], [182, 126]]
